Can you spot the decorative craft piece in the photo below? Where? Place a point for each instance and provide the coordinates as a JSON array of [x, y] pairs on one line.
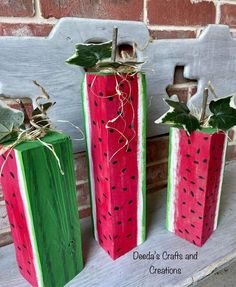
[[198, 141], [40, 200], [114, 111]]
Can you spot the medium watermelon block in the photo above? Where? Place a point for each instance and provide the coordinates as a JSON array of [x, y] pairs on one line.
[[114, 112], [42, 211], [196, 166]]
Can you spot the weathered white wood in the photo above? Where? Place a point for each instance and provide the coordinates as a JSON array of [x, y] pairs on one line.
[[101, 271], [210, 57]]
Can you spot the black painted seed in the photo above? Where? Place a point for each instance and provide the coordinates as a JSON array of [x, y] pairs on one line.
[[131, 78], [125, 189], [118, 250], [3, 156], [6, 202], [130, 219], [95, 103], [131, 98], [194, 242], [111, 131], [132, 177], [12, 175], [192, 211], [104, 217], [129, 235], [131, 201], [94, 123], [99, 221], [99, 200], [20, 267], [2, 175], [205, 138], [110, 237], [196, 162], [100, 139], [183, 216], [116, 208], [102, 121], [121, 141], [13, 194], [28, 262], [89, 85], [186, 231], [109, 213], [104, 237], [28, 272], [115, 237], [101, 94], [131, 126], [98, 180], [124, 169], [192, 182], [205, 160], [129, 150], [18, 247], [105, 154], [184, 178], [12, 225], [192, 193], [101, 241], [119, 113], [113, 187], [94, 146], [188, 170], [189, 141], [180, 231], [187, 155], [185, 190], [115, 162], [198, 151], [104, 194], [119, 222], [193, 225], [106, 178], [199, 203], [200, 217], [201, 177], [100, 166], [201, 188], [198, 237], [183, 202], [11, 156], [110, 99]]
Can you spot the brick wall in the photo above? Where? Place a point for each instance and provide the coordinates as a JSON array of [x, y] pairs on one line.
[[166, 19]]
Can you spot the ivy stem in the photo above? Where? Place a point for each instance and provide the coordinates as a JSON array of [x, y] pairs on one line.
[[114, 44], [204, 105]]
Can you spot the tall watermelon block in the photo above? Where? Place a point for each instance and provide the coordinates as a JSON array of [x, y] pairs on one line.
[[196, 166], [114, 112], [42, 210]]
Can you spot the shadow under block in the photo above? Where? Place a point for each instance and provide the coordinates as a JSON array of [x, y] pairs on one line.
[[115, 124], [196, 167], [42, 210]]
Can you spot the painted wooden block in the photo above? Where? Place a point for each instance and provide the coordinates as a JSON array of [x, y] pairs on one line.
[[42, 210], [114, 111], [196, 166]]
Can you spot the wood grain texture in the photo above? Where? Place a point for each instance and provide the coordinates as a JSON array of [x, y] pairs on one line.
[[210, 57], [125, 271]]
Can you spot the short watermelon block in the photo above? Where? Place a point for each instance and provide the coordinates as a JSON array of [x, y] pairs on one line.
[[42, 211], [196, 166], [115, 124]]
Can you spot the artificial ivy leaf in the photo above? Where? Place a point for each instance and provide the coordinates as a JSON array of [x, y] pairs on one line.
[[224, 113], [10, 121], [179, 115], [87, 55]]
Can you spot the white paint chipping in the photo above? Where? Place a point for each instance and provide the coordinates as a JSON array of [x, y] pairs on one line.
[[29, 218], [220, 184], [174, 142], [89, 151], [140, 158]]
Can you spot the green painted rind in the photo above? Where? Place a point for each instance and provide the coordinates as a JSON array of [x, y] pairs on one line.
[[143, 159], [87, 133], [52, 198], [169, 184]]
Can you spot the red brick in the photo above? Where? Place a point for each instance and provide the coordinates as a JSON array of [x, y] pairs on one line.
[[183, 91], [157, 175], [157, 149], [228, 15], [172, 34], [81, 171], [9, 29], [16, 8], [180, 12], [109, 9], [5, 237]]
